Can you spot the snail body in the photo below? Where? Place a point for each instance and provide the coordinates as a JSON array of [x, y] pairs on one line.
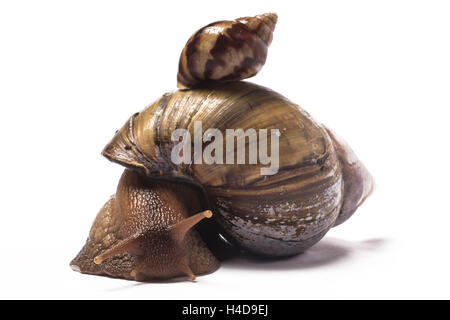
[[313, 181], [143, 233]]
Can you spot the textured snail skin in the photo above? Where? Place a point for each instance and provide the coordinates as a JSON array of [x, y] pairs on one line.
[[226, 50], [139, 233], [277, 215]]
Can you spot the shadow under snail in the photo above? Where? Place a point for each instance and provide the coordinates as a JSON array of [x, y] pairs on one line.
[[146, 230]]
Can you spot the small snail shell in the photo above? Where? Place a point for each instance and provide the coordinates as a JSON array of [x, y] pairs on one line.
[[317, 184], [226, 50], [143, 233]]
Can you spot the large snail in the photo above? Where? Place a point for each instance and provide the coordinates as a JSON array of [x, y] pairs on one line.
[[146, 230]]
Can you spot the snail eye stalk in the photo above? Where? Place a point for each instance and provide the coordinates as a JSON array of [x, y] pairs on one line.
[[179, 230], [130, 245]]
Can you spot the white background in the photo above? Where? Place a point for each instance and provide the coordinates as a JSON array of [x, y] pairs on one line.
[[377, 72]]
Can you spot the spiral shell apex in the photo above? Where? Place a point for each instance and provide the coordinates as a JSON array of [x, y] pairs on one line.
[[226, 50], [263, 25]]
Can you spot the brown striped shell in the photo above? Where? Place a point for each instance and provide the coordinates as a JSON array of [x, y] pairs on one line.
[[317, 184], [226, 50]]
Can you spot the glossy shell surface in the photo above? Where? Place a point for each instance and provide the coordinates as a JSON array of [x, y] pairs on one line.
[[226, 50], [280, 214]]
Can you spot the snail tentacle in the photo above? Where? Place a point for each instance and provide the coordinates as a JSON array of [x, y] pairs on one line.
[[130, 245], [179, 230]]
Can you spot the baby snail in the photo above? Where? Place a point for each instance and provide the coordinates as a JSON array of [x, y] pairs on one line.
[[172, 218]]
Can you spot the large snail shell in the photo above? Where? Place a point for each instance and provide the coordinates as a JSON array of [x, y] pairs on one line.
[[226, 50], [276, 215]]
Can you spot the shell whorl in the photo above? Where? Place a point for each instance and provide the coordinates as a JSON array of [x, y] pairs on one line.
[[276, 215], [226, 50], [263, 25]]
